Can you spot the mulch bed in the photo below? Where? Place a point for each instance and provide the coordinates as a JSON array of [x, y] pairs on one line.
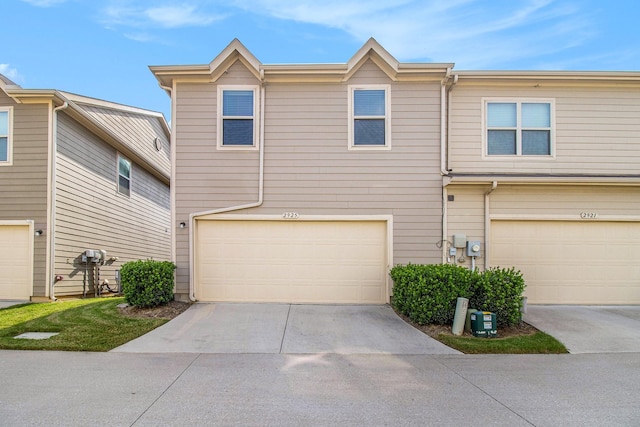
[[168, 311]]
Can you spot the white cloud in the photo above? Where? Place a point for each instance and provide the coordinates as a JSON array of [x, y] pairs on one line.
[[9, 72], [472, 33], [44, 3], [184, 15]]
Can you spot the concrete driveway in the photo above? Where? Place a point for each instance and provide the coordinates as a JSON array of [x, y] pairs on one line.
[[589, 329], [286, 329]]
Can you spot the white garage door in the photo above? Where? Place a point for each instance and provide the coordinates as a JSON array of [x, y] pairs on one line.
[[291, 261], [15, 262], [565, 262]]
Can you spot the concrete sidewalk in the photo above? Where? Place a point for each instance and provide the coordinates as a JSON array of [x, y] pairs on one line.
[[286, 329], [170, 389]]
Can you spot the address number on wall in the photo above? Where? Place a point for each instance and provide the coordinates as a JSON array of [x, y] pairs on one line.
[[290, 215], [588, 215]]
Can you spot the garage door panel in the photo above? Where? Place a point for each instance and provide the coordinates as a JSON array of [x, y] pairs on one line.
[[291, 261], [568, 262], [15, 262]]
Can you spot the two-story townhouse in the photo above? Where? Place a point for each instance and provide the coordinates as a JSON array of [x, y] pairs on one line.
[[303, 182], [78, 174], [307, 182], [542, 170]]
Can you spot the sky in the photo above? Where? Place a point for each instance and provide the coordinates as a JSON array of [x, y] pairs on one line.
[[103, 48]]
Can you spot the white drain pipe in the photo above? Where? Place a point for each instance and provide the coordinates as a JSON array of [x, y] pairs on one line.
[[52, 208], [193, 216]]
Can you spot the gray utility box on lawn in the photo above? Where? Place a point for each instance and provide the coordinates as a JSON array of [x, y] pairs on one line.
[[483, 324]]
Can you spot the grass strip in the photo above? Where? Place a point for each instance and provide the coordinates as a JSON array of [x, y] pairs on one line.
[[83, 325], [537, 343]]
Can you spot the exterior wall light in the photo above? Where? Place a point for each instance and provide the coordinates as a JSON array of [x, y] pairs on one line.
[[38, 233], [183, 224]]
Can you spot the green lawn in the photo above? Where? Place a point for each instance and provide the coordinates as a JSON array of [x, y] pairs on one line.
[[84, 325], [537, 343]]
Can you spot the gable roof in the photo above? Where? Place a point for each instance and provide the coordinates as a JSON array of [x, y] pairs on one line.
[[236, 51], [130, 130]]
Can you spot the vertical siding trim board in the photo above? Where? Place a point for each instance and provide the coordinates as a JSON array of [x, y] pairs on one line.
[[193, 216]]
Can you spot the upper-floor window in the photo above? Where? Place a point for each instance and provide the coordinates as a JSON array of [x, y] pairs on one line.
[[124, 176], [237, 117], [369, 117], [519, 128], [5, 136]]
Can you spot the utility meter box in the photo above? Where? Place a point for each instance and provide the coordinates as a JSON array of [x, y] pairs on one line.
[[483, 324], [473, 248]]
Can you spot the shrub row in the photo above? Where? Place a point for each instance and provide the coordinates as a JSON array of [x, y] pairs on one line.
[[147, 283], [428, 294]]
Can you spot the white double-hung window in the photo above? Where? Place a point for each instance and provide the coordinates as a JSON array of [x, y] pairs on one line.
[[124, 176], [369, 117], [6, 143], [519, 128], [238, 117]]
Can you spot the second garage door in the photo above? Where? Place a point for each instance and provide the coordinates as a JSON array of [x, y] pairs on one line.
[[291, 261], [15, 262], [571, 262]]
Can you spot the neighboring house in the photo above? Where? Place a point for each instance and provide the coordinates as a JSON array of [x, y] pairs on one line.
[[307, 183], [78, 174], [544, 171]]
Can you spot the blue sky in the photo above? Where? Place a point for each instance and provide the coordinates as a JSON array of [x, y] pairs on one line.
[[102, 48]]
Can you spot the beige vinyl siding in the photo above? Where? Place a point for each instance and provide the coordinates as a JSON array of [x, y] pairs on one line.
[[596, 130], [308, 167], [465, 215], [24, 184], [91, 214]]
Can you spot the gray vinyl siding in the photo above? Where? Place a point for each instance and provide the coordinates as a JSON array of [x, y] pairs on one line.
[[308, 166], [91, 214], [24, 184], [137, 131], [596, 129]]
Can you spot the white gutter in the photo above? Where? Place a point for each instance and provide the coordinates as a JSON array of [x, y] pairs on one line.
[[52, 212], [487, 223], [193, 216]]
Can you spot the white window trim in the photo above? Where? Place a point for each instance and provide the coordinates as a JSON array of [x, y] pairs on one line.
[[120, 156], [519, 155], [256, 120], [387, 118], [9, 160]]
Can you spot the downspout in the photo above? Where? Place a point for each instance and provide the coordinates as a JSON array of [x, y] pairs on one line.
[[444, 149], [172, 185], [487, 223], [444, 119], [52, 212], [256, 204]]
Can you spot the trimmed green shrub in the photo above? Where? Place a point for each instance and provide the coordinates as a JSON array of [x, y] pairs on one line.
[[499, 290], [427, 294], [147, 283]]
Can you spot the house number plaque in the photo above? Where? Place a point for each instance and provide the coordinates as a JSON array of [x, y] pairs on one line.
[[290, 215], [588, 215]]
